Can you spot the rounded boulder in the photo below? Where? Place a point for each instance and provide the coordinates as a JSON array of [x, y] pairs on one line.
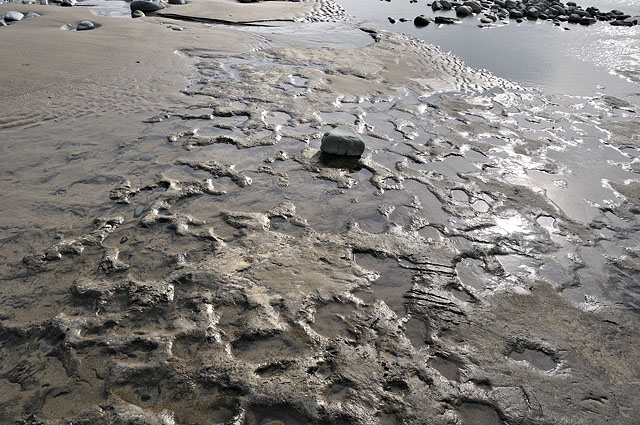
[[342, 140], [463, 11], [13, 16], [85, 26], [146, 5], [421, 21]]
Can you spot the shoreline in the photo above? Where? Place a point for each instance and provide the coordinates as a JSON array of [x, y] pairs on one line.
[[181, 253]]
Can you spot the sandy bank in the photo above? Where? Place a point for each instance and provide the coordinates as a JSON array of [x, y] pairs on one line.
[[241, 13], [123, 65]]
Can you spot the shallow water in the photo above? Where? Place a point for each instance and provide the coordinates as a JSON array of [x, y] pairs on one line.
[[581, 61]]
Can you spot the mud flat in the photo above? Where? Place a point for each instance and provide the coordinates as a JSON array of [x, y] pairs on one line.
[[176, 250]]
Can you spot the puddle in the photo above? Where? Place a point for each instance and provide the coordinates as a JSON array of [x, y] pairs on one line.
[[418, 332], [460, 195], [536, 358], [393, 283], [473, 413], [546, 222], [480, 206], [471, 273]]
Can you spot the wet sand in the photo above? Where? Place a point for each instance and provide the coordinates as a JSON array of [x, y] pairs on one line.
[[176, 250]]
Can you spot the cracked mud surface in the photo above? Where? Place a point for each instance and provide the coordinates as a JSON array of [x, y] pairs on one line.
[[470, 268]]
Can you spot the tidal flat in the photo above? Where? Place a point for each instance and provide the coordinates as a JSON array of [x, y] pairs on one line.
[[177, 250]]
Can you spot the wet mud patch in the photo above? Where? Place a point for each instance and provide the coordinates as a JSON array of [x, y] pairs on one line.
[[274, 369], [276, 347], [332, 320], [447, 368], [339, 391], [461, 293], [279, 414], [246, 257]]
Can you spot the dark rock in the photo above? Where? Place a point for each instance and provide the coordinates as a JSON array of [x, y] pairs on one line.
[[559, 9], [391, 20], [621, 23], [463, 11], [342, 140], [587, 20], [85, 26], [533, 13], [562, 18], [574, 18], [446, 5], [2, 23], [543, 16], [177, 2], [617, 12], [436, 5], [68, 3], [421, 21], [445, 20], [510, 4], [516, 14], [13, 16], [146, 5], [493, 18], [486, 21], [474, 6], [571, 3]]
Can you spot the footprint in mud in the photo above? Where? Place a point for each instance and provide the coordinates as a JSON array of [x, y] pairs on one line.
[[534, 357], [337, 391], [447, 368], [546, 222], [417, 332], [480, 206], [331, 320], [473, 413], [394, 282], [460, 195], [275, 347], [275, 415], [462, 294]]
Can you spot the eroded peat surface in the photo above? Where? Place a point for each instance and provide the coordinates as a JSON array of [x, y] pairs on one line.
[[478, 265]]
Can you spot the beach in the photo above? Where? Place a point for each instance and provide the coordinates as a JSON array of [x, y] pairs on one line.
[[177, 249]]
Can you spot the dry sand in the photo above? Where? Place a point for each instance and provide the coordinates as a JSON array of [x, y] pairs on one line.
[[49, 72]]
